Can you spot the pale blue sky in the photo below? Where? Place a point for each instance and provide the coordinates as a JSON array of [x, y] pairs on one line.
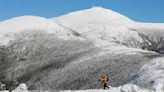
[[139, 10]]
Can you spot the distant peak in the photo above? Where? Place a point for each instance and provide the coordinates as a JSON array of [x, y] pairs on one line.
[[25, 17], [28, 16], [97, 7], [100, 8]]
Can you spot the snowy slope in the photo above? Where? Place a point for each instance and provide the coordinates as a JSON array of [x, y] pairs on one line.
[[151, 73]]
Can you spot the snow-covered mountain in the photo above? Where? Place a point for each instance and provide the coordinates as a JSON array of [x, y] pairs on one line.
[[77, 48], [103, 26], [108, 28], [30, 23]]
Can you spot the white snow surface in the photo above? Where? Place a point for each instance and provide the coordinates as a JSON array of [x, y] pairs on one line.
[[125, 88]]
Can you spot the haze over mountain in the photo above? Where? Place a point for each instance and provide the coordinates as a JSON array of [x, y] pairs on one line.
[[73, 50]]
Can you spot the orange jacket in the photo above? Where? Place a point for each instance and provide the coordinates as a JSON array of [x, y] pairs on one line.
[[104, 79]]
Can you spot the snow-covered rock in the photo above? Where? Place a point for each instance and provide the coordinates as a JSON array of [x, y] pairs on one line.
[[129, 88], [21, 88]]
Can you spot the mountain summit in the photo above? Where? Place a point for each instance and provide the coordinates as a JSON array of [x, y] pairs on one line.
[[102, 26], [92, 15]]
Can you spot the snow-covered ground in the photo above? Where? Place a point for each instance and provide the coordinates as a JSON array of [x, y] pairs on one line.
[[125, 88]]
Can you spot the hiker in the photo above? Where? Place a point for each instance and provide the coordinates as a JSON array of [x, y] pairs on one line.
[[104, 80]]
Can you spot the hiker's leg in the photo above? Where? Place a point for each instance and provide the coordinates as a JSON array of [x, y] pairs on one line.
[[104, 85]]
